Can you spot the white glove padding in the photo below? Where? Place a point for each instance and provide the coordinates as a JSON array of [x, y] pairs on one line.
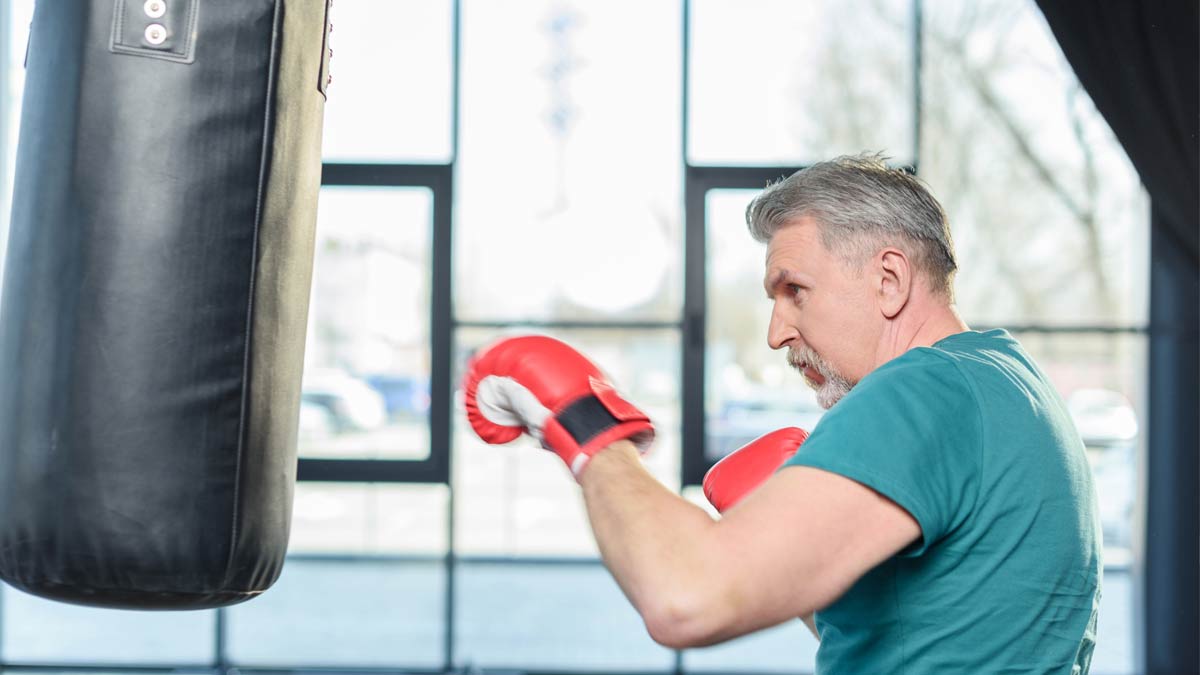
[[508, 403]]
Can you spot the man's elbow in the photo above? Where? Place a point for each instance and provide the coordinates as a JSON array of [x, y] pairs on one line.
[[706, 617], [682, 623]]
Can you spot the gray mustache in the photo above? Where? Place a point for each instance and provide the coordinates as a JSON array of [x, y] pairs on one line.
[[798, 358]]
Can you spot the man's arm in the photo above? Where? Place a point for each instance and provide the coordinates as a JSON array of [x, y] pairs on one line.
[[744, 470], [791, 548]]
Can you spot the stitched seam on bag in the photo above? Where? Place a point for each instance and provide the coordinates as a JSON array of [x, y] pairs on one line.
[[118, 23], [248, 333]]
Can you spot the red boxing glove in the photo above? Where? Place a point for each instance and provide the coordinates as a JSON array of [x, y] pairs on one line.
[[740, 472], [543, 387]]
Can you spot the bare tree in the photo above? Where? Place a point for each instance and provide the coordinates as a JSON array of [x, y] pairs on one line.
[[1033, 210]]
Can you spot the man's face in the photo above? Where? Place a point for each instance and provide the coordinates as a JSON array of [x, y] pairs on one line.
[[823, 312]]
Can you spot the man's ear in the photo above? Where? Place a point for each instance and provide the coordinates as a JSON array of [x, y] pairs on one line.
[[894, 276]]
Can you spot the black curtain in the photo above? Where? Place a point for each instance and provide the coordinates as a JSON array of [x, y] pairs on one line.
[[1139, 61]]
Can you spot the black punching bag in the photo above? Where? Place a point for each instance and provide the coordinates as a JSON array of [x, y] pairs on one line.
[[155, 298]]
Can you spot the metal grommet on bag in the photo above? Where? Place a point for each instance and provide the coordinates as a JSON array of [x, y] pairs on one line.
[[156, 33], [155, 8]]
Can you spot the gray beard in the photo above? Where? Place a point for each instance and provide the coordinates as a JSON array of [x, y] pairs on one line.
[[835, 386]]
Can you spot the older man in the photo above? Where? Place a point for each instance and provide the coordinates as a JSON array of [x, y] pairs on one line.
[[940, 517]]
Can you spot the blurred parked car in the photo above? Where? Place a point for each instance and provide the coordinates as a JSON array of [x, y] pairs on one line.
[[351, 404], [740, 421], [1103, 417], [404, 397], [1114, 473], [316, 421], [1109, 428]]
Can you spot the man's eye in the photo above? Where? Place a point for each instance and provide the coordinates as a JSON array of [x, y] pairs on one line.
[[794, 289]]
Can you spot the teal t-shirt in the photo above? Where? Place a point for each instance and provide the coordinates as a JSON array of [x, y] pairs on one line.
[[971, 439]]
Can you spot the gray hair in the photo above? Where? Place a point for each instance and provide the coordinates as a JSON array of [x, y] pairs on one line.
[[861, 205]]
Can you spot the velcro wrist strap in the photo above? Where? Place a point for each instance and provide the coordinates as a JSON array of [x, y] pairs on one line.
[[560, 441], [585, 419], [593, 422]]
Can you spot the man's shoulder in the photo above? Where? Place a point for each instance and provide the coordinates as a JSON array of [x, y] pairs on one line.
[[916, 367], [921, 384], [951, 361]]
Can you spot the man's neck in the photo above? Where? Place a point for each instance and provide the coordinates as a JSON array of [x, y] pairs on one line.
[[918, 326]]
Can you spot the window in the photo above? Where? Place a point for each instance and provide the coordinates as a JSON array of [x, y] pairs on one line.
[[1050, 220], [567, 194], [367, 354], [774, 82], [381, 48], [749, 389]]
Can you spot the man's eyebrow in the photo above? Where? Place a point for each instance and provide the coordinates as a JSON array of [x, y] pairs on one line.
[[774, 279]]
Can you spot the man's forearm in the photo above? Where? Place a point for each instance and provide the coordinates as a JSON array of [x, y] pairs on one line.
[[655, 543], [685, 576]]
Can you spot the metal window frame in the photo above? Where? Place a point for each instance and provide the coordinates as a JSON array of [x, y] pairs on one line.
[[435, 468], [1165, 608], [698, 181]]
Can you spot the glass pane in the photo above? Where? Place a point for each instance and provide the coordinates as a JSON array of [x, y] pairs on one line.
[[380, 613], [1050, 221], [369, 518], [749, 388], [787, 648], [519, 499], [390, 100], [42, 631], [1114, 653], [16, 17], [366, 370], [568, 175], [783, 82], [556, 617]]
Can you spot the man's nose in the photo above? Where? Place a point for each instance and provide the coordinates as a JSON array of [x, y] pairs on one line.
[[780, 331]]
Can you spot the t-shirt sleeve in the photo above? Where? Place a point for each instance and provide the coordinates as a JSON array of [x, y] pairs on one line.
[[910, 431]]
